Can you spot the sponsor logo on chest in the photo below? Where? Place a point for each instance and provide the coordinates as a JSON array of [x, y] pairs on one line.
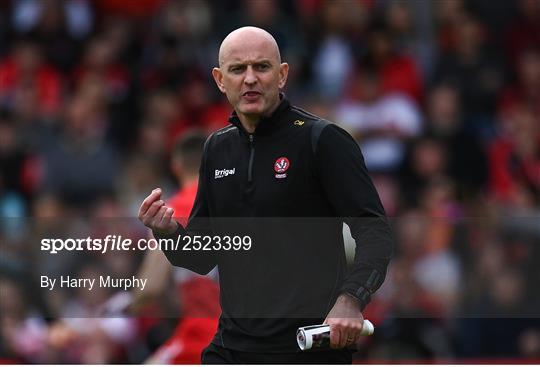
[[220, 173]]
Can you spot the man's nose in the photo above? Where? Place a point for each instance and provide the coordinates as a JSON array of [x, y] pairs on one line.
[[251, 77]]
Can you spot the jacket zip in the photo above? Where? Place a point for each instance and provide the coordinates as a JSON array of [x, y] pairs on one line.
[[251, 158]]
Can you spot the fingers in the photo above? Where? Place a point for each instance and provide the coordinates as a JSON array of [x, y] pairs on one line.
[[167, 218], [359, 331], [149, 200], [163, 218], [352, 339], [343, 332], [153, 215], [157, 216], [343, 339], [335, 337], [155, 209], [356, 337]]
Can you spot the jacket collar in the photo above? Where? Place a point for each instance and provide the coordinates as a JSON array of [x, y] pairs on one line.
[[267, 124]]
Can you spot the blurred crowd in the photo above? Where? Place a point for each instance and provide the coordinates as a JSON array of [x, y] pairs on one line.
[[443, 98]]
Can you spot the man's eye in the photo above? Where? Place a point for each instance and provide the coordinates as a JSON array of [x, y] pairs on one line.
[[263, 67], [236, 69]]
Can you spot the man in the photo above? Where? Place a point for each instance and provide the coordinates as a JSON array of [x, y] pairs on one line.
[[291, 179]]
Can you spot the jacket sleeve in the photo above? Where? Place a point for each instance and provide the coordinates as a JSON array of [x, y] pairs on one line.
[[200, 262], [347, 184]]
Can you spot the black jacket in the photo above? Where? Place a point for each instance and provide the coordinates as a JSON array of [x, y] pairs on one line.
[[290, 186]]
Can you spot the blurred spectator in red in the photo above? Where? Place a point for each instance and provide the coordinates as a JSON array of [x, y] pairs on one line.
[[473, 70], [410, 25], [75, 339], [166, 109], [524, 32], [174, 113], [448, 15], [179, 47], [467, 162], [195, 96], [397, 71], [381, 123], [426, 185], [526, 89], [25, 67], [514, 159], [100, 61], [167, 67], [137, 9], [23, 331], [426, 163], [201, 110]]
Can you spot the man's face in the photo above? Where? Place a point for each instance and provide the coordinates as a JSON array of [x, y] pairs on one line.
[[251, 76]]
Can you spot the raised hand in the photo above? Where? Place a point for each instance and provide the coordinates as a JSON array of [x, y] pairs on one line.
[[157, 216]]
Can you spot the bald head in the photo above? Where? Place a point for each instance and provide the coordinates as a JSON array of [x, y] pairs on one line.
[[251, 74], [248, 38]]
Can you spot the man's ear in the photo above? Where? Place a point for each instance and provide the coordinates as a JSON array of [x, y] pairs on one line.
[[218, 78], [283, 73]]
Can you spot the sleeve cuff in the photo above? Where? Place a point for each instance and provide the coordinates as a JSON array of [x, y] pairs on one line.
[[362, 295]]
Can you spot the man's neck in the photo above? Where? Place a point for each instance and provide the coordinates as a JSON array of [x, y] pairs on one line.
[[249, 122]]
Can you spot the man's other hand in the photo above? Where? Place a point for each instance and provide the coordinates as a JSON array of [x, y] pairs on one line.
[[157, 216], [346, 322]]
